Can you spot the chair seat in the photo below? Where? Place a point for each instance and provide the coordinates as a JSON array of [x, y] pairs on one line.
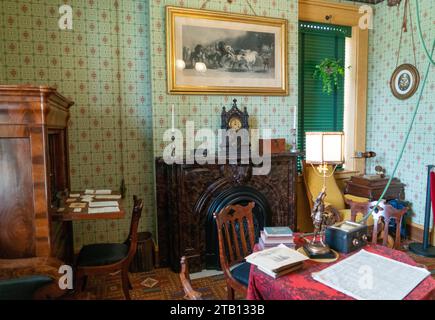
[[101, 254], [22, 288], [241, 273]]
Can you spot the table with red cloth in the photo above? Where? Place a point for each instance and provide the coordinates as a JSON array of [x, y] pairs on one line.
[[300, 285]]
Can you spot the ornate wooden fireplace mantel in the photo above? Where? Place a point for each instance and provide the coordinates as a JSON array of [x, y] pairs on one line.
[[188, 194]]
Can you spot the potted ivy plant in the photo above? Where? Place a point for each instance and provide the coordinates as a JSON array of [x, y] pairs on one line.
[[329, 71]]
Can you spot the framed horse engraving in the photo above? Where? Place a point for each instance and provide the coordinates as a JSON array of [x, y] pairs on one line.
[[211, 52]]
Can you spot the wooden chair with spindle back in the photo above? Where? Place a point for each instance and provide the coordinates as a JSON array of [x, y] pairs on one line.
[[235, 228], [357, 208], [190, 293], [105, 258], [384, 212]]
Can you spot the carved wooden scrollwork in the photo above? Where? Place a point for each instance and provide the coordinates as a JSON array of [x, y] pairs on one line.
[[238, 174]]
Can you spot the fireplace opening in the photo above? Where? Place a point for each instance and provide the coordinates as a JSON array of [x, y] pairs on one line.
[[241, 195]]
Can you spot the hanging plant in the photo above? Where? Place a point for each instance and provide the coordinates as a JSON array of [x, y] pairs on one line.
[[329, 71]]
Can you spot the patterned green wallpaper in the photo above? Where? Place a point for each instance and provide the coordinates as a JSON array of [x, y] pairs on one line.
[[112, 64], [275, 113], [388, 118], [102, 65]]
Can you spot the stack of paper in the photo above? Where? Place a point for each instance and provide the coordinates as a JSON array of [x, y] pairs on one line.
[[368, 276], [95, 204], [108, 197], [103, 206], [102, 191], [277, 261], [103, 209]]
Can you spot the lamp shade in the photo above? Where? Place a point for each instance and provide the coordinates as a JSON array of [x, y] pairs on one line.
[[324, 147]]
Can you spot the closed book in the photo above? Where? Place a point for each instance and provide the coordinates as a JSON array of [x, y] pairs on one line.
[[267, 246], [278, 231], [274, 244], [282, 272], [275, 240]]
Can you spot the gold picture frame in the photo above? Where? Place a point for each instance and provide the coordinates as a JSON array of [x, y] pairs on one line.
[[404, 81], [211, 52]]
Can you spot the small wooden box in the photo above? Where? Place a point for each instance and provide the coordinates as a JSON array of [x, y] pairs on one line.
[[276, 145], [373, 188]]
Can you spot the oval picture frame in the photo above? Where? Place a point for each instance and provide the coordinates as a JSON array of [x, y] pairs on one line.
[[404, 81]]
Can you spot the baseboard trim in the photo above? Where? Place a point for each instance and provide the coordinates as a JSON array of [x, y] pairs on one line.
[[415, 232]]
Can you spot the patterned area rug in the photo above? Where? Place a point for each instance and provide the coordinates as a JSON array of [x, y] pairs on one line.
[[159, 284], [163, 284]]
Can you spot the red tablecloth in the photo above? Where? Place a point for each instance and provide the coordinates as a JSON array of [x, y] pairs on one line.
[[300, 285]]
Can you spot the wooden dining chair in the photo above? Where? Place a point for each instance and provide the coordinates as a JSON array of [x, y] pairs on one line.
[[190, 293], [235, 228], [383, 213], [105, 258], [357, 208]]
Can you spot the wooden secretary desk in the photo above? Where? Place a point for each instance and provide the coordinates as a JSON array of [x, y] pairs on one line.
[[33, 167]]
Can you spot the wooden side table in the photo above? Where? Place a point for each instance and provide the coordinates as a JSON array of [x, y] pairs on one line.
[[67, 216], [372, 187]]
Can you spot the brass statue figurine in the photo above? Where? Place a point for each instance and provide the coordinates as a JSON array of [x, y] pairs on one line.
[[318, 216], [321, 219]]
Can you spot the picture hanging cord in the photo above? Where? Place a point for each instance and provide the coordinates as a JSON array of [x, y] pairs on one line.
[[414, 115], [230, 2], [406, 10]]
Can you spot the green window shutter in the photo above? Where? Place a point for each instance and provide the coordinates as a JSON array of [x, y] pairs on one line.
[[317, 110]]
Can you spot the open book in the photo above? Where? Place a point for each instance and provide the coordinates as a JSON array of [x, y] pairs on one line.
[[276, 259]]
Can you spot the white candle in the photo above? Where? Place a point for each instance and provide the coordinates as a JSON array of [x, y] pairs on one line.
[[173, 119], [294, 117]]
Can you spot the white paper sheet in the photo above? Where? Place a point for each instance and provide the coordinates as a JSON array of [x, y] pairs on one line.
[[103, 210], [368, 276], [103, 191], [108, 196], [95, 204]]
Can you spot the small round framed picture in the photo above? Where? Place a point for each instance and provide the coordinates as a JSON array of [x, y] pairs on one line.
[[404, 81]]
